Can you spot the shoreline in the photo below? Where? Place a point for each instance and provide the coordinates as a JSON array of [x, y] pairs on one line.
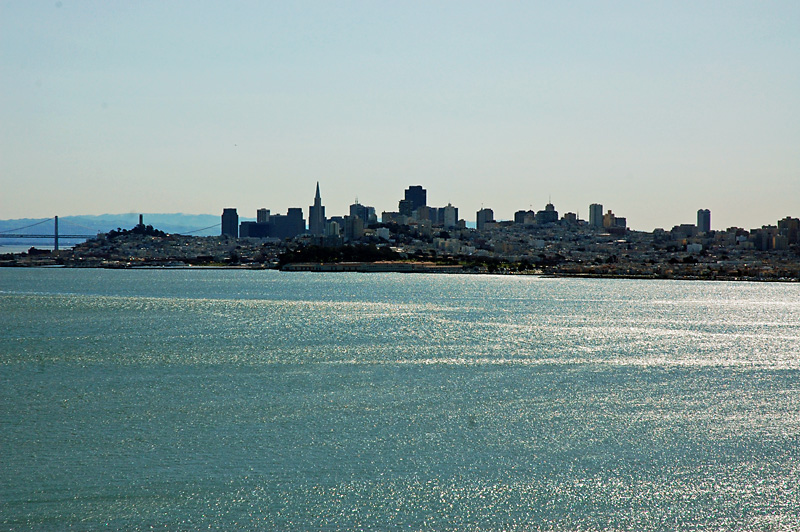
[[410, 267]]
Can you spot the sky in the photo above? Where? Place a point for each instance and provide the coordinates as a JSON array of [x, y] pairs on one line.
[[653, 109]]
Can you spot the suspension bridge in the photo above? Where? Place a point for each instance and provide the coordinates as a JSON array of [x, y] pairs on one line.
[[55, 235]]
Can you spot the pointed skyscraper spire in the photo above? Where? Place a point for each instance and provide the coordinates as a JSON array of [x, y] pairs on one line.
[[316, 216]]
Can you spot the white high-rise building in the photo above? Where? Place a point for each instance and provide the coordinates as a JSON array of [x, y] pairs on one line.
[[449, 217]]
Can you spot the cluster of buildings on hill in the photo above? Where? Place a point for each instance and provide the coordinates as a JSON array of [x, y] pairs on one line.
[[541, 241], [422, 220], [602, 244]]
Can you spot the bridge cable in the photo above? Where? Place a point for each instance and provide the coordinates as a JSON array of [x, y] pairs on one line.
[[198, 230], [27, 226]]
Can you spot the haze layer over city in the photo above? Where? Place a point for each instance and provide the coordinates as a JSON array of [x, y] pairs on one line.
[[654, 111]]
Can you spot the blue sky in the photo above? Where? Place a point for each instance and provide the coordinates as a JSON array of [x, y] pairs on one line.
[[654, 109]]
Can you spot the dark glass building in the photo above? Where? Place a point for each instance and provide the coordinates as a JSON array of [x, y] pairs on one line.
[[416, 196], [230, 223], [482, 217], [289, 225], [704, 220], [253, 230]]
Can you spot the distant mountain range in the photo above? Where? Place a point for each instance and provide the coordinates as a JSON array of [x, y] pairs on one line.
[[194, 224]]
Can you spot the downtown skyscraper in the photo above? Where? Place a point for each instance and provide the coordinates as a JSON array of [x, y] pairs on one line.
[[316, 216]]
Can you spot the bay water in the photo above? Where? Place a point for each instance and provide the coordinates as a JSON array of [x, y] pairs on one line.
[[250, 400]]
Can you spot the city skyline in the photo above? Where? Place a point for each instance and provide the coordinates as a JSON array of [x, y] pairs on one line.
[[654, 111], [415, 197], [472, 218]]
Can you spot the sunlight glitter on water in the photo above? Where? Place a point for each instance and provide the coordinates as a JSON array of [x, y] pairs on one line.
[[240, 400]]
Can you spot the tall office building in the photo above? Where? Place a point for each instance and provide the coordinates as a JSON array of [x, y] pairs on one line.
[[364, 212], [287, 226], [356, 209], [704, 220], [230, 223], [422, 213], [450, 217], [253, 230], [483, 217], [609, 219], [548, 215], [416, 196], [596, 215], [257, 229], [353, 227], [790, 228], [404, 207], [524, 217], [316, 216]]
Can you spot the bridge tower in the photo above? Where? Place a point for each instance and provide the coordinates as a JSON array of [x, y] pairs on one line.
[[55, 235]]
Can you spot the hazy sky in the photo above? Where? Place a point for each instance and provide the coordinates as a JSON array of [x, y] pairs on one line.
[[654, 109]]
